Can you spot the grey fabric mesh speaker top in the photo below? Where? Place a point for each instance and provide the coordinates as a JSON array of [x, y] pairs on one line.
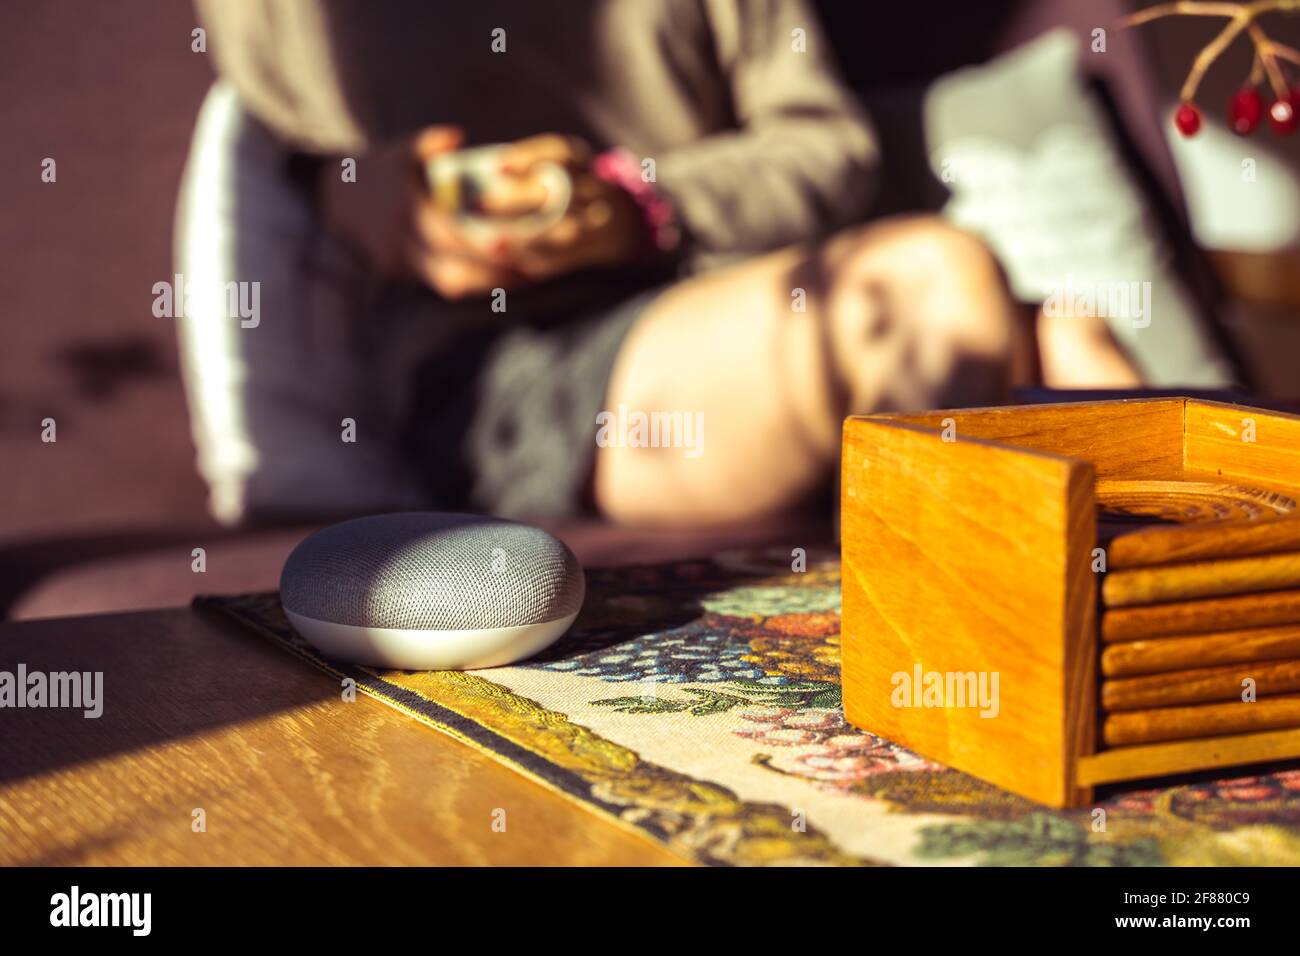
[[432, 571]]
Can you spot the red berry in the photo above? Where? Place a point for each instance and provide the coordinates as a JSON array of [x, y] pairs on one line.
[[1245, 110], [1282, 114], [1187, 119]]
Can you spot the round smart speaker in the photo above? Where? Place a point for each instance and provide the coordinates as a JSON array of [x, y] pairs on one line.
[[431, 591]]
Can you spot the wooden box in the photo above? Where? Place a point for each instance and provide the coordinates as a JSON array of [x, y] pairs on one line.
[[971, 549]]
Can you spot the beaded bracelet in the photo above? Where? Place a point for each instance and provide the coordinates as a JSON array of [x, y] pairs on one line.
[[621, 168]]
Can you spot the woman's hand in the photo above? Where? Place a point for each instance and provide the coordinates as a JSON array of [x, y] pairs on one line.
[[602, 226], [390, 216]]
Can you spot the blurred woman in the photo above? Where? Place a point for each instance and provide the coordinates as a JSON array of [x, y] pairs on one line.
[[709, 266]]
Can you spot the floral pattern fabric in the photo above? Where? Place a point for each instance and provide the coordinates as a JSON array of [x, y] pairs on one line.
[[700, 702]]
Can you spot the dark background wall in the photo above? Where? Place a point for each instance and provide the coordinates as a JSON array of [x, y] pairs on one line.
[[109, 91]]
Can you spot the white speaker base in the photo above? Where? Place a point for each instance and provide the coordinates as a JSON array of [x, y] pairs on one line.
[[420, 650]]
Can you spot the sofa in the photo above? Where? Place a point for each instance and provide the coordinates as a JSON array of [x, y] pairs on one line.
[[107, 517]]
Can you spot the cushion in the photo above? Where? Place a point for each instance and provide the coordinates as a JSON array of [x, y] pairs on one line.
[[1034, 167]]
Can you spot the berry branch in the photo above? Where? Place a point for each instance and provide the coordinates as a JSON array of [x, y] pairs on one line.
[[1247, 105]]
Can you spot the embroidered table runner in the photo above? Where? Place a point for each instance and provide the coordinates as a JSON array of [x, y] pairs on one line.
[[700, 703]]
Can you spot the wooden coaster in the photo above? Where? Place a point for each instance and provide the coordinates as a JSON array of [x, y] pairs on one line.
[[1189, 502]]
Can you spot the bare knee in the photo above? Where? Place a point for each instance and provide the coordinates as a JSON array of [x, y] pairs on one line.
[[937, 297], [936, 244], [927, 253]]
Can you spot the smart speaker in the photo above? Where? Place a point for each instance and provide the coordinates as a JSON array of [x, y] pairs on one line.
[[431, 591]]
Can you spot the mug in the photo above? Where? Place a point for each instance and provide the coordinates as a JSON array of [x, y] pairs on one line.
[[456, 179]]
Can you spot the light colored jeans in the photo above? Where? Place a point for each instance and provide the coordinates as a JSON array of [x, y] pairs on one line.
[[269, 389]]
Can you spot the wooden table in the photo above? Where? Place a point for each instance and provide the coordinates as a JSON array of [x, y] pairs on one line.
[[199, 715]]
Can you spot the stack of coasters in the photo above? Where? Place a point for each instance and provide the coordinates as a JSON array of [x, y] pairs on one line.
[[1203, 617], [997, 619]]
